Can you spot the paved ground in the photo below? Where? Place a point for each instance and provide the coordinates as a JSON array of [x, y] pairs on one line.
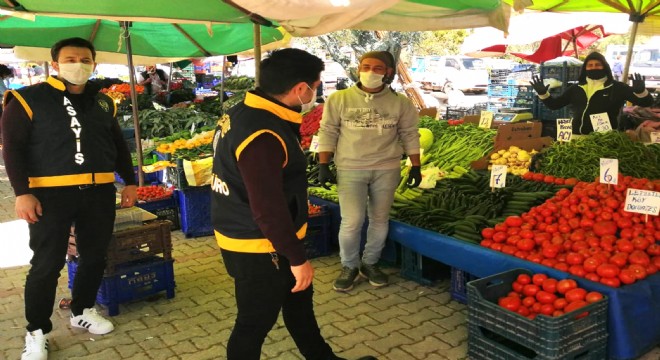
[[402, 321]]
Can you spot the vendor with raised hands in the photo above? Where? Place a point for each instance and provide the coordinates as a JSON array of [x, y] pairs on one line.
[[596, 95]]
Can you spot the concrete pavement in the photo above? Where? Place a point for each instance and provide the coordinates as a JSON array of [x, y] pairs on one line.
[[402, 321]]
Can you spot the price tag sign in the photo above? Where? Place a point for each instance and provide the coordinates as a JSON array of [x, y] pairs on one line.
[[609, 171], [601, 122], [642, 201], [486, 119], [498, 176], [314, 145], [564, 130], [655, 137]]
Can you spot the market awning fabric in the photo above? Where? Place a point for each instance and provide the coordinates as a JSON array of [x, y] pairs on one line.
[[165, 41]]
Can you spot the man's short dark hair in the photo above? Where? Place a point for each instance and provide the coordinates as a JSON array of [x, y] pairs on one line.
[[75, 42], [285, 68]]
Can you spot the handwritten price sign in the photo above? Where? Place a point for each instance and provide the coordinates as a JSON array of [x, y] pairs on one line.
[[601, 122], [643, 202], [564, 130], [498, 176], [609, 171], [314, 144], [486, 119]]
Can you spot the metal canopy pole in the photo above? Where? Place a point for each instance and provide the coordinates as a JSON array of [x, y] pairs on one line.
[[136, 121]]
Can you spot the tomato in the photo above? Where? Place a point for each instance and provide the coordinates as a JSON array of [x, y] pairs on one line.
[[655, 261], [511, 303], [517, 287], [487, 233], [627, 276], [525, 244], [538, 279], [565, 285], [486, 243], [528, 175], [530, 289], [651, 269], [608, 270], [639, 271], [572, 306], [501, 227], [549, 179], [560, 303], [529, 301], [561, 266], [577, 270], [571, 181], [499, 237], [524, 279], [619, 259], [513, 221], [593, 296], [545, 297], [538, 177], [575, 294], [625, 245], [536, 308], [639, 257], [547, 309], [654, 249], [591, 264], [612, 282], [593, 277], [605, 228], [550, 285], [524, 311]]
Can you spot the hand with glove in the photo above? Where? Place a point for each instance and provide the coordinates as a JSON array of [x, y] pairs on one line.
[[326, 176], [414, 177], [638, 85], [537, 84]]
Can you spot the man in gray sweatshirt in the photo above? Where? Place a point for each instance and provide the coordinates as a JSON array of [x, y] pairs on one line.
[[367, 128]]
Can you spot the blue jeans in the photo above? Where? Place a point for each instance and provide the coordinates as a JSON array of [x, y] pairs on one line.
[[363, 192]]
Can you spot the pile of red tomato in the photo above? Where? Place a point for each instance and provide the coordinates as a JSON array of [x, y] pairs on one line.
[[549, 179], [586, 233], [153, 192], [454, 122], [539, 294]]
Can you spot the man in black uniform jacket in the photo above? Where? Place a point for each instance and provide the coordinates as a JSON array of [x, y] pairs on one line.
[[62, 145]]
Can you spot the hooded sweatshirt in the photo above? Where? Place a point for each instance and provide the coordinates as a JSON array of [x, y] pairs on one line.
[[368, 131], [590, 97]]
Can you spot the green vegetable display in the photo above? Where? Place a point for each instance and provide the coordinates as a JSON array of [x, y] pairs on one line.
[[580, 158], [162, 123]]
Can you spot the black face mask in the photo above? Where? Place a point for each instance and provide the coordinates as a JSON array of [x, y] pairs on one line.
[[596, 74]]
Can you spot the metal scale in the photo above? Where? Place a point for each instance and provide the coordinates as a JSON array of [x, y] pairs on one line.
[[513, 114]]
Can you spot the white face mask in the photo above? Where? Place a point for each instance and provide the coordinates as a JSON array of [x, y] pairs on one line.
[[75, 73], [371, 80], [309, 105]]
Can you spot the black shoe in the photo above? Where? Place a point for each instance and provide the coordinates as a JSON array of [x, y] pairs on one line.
[[376, 277], [345, 280]]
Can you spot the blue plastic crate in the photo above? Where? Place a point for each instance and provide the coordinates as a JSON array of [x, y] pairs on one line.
[[509, 335], [419, 268], [165, 209], [195, 210], [132, 281], [317, 240], [458, 287]]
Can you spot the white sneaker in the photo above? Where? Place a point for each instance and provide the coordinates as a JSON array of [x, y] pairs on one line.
[[36, 346], [92, 321]]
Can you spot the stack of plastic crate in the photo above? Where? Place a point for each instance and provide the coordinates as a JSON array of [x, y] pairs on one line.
[[195, 210], [317, 240], [139, 264]]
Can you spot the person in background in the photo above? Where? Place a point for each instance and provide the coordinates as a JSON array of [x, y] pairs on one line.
[[153, 79], [260, 226], [596, 93], [364, 127], [5, 74], [617, 69], [68, 119]]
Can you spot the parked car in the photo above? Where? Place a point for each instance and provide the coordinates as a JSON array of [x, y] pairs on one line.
[[450, 72]]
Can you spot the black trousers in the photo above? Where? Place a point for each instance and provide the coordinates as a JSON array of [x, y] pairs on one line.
[[92, 209], [261, 291]]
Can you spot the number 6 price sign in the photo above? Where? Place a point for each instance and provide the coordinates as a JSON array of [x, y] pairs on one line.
[[564, 130], [609, 171]]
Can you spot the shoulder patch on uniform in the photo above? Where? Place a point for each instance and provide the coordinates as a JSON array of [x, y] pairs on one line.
[[224, 125], [104, 105]]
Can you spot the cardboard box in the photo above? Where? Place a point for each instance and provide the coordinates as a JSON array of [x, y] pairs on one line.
[[518, 131]]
